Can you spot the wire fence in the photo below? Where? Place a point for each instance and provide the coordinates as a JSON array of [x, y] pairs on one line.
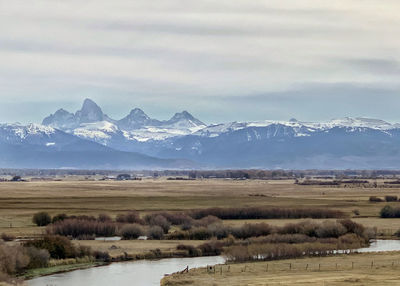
[[303, 266]]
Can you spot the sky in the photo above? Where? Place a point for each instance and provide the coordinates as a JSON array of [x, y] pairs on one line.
[[220, 60]]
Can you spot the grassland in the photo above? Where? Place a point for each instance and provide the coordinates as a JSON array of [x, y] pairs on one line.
[[20, 200], [357, 269]]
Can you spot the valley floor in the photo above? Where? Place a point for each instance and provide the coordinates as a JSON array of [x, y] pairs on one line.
[[355, 269]]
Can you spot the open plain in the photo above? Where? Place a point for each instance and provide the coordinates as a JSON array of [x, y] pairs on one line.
[[20, 200]]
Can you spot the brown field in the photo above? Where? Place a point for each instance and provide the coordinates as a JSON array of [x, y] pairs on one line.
[[356, 269], [135, 247], [18, 201]]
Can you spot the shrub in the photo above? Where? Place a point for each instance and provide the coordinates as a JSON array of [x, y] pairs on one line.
[[155, 232], [179, 235], [78, 228], [160, 221], [38, 258], [13, 259], [211, 248], [283, 238], [390, 212], [218, 230], [41, 219], [59, 217], [375, 199], [101, 256], [265, 213], [206, 221], [353, 227], [330, 229], [199, 233], [131, 231], [187, 225], [173, 218], [104, 218], [7, 237], [130, 217], [190, 250], [59, 247], [251, 230], [350, 241], [391, 198], [268, 251]]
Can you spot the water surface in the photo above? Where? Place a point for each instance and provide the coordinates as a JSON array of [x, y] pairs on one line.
[[136, 273], [381, 245], [150, 272]]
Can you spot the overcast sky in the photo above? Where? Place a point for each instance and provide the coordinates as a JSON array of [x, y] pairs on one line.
[[220, 60]]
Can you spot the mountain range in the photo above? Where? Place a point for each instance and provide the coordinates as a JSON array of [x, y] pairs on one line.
[[89, 138]]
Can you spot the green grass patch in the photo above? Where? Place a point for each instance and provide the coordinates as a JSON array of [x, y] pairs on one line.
[[32, 273]]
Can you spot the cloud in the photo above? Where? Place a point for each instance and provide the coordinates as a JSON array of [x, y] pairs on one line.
[[197, 53]]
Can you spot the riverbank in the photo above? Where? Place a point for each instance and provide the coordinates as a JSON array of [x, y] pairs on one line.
[[354, 269], [38, 272], [146, 254], [140, 272]]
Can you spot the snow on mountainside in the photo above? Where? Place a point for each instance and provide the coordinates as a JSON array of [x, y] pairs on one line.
[[91, 123], [338, 143], [99, 132], [18, 133], [301, 128]]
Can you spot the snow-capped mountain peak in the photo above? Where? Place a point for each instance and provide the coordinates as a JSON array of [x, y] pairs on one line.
[[185, 116], [61, 119], [90, 112], [136, 119], [360, 122]]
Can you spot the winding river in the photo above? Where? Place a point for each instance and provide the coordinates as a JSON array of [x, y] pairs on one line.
[[150, 272], [136, 273]]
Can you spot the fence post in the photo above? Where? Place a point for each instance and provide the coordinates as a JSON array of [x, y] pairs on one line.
[[307, 266], [336, 266], [290, 266], [352, 265], [319, 267], [372, 264]]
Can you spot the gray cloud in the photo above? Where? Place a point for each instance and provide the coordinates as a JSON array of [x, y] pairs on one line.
[[259, 59]]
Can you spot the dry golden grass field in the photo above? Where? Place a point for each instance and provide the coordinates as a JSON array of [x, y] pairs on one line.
[[20, 200], [357, 269]]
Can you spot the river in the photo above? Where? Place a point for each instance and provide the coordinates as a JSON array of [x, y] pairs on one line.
[[135, 273], [150, 272]]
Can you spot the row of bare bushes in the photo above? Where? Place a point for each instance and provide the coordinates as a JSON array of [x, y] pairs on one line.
[[129, 225], [266, 213], [252, 252], [306, 230], [302, 239]]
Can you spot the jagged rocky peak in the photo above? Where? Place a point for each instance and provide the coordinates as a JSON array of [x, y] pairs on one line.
[[90, 112], [137, 113], [185, 116], [61, 119], [136, 119]]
